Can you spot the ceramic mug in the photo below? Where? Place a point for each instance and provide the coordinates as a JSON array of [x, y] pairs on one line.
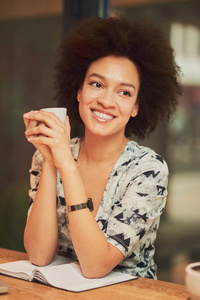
[[60, 112], [192, 280]]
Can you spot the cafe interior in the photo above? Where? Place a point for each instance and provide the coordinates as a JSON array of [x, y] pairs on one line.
[[30, 32]]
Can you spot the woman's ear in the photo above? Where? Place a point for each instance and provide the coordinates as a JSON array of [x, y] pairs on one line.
[[78, 94], [135, 109]]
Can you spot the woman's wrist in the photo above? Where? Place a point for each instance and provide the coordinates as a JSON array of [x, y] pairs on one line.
[[49, 165], [68, 167]]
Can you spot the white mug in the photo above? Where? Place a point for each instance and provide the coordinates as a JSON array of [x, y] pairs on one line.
[[192, 280], [60, 112]]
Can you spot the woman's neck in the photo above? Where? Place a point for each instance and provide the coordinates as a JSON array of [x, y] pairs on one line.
[[102, 150]]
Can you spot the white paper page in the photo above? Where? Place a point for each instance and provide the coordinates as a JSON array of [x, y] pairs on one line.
[[59, 260], [20, 268], [69, 277]]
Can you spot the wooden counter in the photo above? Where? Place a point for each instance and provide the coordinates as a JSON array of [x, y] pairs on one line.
[[139, 289]]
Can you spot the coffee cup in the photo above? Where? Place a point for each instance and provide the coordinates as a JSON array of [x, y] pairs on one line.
[[60, 112], [192, 280]]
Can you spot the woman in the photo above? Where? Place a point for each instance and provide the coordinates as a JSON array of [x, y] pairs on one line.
[[118, 79]]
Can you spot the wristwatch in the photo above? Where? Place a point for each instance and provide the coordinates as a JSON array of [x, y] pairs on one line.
[[88, 204]]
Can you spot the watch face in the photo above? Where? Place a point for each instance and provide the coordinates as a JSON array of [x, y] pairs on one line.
[[90, 204]]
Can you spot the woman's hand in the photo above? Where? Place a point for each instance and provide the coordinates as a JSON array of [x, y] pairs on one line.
[[50, 136], [30, 124]]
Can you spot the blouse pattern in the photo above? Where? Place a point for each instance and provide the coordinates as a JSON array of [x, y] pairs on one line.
[[130, 209]]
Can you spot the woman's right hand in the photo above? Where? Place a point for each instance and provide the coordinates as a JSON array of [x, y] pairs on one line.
[[43, 149], [51, 137]]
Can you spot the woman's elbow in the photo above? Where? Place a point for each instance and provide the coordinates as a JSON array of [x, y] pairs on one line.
[[40, 262], [95, 271], [37, 258]]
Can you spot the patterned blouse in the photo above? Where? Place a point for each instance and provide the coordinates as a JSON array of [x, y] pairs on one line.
[[130, 209]]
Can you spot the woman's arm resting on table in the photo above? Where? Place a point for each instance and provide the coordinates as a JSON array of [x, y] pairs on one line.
[[97, 257], [41, 231]]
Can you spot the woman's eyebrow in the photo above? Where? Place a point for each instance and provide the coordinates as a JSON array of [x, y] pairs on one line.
[[121, 83], [128, 84], [97, 75]]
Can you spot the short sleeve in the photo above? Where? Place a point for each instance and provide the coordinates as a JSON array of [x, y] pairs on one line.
[[35, 173], [135, 217]]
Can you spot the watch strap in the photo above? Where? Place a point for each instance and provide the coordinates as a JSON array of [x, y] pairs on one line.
[[88, 204]]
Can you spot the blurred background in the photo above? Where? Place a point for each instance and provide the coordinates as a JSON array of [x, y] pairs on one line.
[[30, 32]]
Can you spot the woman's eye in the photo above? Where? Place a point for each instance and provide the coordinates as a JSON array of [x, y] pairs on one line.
[[95, 84], [126, 93]]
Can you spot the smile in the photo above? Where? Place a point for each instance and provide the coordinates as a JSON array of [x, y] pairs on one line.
[[102, 116]]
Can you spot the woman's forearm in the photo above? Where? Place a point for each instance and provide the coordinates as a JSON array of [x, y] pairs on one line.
[[41, 231], [96, 256]]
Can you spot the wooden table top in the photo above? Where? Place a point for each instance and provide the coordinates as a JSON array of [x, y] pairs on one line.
[[139, 289]]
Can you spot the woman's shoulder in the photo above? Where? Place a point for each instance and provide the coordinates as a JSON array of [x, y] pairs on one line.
[[141, 155], [141, 151], [143, 166]]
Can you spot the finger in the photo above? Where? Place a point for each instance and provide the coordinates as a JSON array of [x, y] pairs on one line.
[[40, 140], [49, 118], [68, 126], [33, 124], [26, 122], [27, 119], [40, 129]]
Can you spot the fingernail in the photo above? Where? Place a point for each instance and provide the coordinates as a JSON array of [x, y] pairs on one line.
[[27, 115]]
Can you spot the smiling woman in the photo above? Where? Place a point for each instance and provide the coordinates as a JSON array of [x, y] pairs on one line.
[[108, 97], [104, 204]]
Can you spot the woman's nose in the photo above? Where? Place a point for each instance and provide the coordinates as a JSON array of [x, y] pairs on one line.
[[107, 99]]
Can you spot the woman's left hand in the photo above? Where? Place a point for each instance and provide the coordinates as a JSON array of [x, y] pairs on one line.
[[53, 133]]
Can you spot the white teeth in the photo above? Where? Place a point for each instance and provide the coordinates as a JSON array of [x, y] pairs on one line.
[[103, 116]]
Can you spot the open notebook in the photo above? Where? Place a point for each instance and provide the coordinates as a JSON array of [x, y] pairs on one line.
[[61, 273]]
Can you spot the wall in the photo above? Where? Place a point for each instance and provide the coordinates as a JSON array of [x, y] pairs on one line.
[[27, 55]]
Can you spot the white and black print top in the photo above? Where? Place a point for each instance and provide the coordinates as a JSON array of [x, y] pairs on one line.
[[130, 209]]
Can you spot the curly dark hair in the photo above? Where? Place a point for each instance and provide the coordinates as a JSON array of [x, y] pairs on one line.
[[142, 43]]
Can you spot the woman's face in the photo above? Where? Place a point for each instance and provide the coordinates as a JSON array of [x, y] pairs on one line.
[[108, 97]]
